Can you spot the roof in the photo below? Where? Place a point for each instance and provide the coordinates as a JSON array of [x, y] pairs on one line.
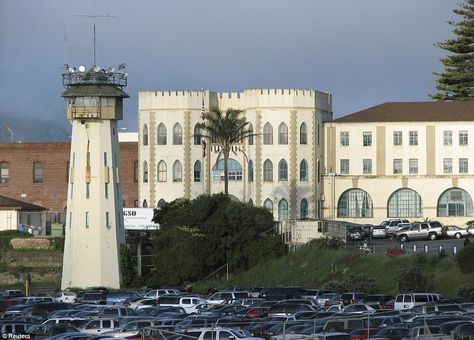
[[92, 90], [413, 112], [7, 202]]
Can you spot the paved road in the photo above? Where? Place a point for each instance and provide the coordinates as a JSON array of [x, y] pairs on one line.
[[448, 245]]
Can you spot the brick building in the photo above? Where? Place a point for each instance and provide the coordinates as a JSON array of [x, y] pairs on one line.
[[37, 173]]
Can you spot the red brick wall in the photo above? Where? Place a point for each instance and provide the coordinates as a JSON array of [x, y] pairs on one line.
[[52, 193]]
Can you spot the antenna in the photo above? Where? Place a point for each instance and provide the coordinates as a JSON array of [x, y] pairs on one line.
[[9, 132]]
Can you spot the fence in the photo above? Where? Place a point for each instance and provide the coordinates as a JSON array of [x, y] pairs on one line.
[[412, 248]]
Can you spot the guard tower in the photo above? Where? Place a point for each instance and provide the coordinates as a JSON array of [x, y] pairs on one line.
[[94, 222]]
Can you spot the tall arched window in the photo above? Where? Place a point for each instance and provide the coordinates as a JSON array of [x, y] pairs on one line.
[[197, 135], [162, 170], [304, 208], [197, 171], [267, 134], [161, 203], [282, 134], [234, 171], [268, 170], [355, 203], [283, 210], [303, 134], [161, 134], [145, 134], [405, 202], [37, 172], [177, 134], [250, 171], [282, 170], [268, 204], [455, 202], [304, 171], [177, 171], [250, 128], [145, 204], [5, 172], [145, 172]]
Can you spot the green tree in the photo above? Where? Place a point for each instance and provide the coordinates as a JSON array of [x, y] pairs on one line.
[[127, 269], [225, 129], [411, 279], [464, 259], [457, 80]]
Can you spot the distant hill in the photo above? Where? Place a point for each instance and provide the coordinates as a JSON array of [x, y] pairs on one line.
[[29, 129]]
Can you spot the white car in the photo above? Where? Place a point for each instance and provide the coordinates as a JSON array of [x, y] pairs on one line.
[[66, 297], [455, 231], [359, 308], [99, 326]]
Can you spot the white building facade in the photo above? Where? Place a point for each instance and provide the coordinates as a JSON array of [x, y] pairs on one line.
[[279, 168], [401, 160]]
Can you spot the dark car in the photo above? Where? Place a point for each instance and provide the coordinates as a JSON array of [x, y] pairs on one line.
[[355, 233], [97, 298]]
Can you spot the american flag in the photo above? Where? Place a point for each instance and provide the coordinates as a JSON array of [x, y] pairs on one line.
[[203, 116]]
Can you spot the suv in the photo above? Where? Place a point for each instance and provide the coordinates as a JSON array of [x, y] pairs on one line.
[[425, 230], [392, 225]]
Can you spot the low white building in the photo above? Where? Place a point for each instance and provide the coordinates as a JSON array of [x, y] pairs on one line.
[[15, 214], [410, 160], [279, 168]]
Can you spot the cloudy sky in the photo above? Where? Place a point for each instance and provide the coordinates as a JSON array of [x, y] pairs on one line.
[[365, 52]]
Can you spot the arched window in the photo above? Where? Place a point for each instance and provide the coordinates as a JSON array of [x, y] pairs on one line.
[[282, 170], [250, 171], [37, 172], [161, 134], [234, 171], [177, 171], [197, 171], [304, 171], [177, 134], [250, 129], [145, 134], [161, 203], [304, 208], [145, 172], [162, 169], [268, 204], [282, 210], [5, 172], [455, 202], [268, 170], [303, 134], [283, 134], [355, 203], [145, 204], [251, 202], [267, 134], [405, 202], [197, 135]]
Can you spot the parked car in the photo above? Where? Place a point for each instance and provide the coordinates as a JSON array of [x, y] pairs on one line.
[[220, 297], [393, 224], [355, 232], [453, 231], [66, 297], [379, 231], [425, 230]]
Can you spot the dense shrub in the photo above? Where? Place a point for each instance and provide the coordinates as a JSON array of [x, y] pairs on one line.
[[127, 268], [466, 292], [332, 243], [7, 235], [57, 243], [411, 280], [465, 258], [352, 283]]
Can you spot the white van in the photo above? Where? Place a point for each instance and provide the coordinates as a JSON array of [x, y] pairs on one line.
[[188, 302], [410, 300]]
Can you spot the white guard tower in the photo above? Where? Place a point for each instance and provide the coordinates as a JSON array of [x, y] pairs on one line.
[[94, 222]]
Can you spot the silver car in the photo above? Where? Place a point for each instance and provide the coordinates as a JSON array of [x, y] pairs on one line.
[[379, 231], [453, 231]]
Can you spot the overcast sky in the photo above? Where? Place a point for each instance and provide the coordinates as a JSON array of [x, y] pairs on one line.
[[364, 52]]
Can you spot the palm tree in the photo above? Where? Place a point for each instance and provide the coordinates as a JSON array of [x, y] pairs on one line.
[[225, 129]]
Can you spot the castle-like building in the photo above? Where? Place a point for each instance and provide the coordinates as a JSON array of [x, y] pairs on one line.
[[410, 160]]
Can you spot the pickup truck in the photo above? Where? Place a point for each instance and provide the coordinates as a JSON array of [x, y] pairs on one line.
[[421, 231]]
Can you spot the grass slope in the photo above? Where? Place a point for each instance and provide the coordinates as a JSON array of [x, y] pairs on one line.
[[312, 266]]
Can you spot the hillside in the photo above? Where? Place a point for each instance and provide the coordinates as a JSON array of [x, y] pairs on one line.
[[313, 266]]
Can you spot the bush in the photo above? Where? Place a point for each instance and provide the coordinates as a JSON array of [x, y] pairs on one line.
[[332, 243], [57, 243], [411, 280], [464, 259], [466, 292], [352, 283], [7, 235]]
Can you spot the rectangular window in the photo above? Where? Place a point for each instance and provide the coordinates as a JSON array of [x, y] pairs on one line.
[[463, 165], [106, 190], [367, 138], [397, 138], [37, 172], [413, 137], [344, 136], [344, 166], [448, 137], [107, 220], [88, 191], [367, 166], [463, 138], [4, 172], [413, 165], [87, 219], [70, 219], [447, 165], [105, 158], [397, 166]]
